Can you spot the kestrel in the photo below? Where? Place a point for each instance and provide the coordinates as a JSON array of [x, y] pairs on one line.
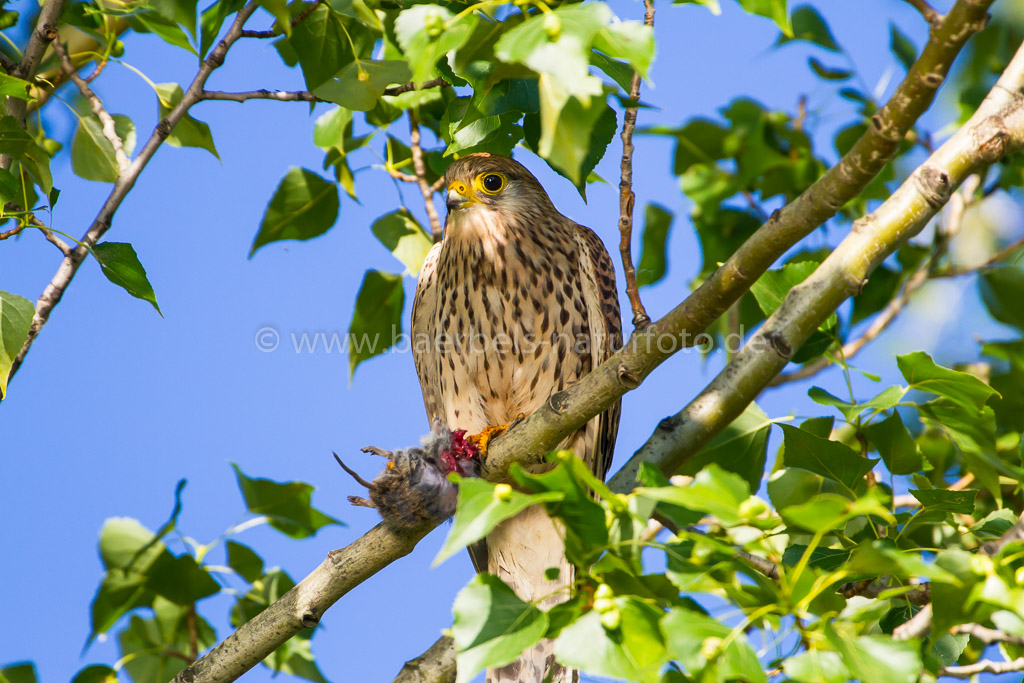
[[516, 303]]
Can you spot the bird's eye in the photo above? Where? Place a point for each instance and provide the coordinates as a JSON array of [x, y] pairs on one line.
[[492, 183]]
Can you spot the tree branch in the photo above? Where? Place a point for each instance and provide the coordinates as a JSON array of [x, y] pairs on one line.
[[306, 96], [626, 196], [989, 635], [69, 266], [567, 410], [44, 33], [279, 95], [921, 623], [984, 666], [436, 665], [927, 11], [96, 104], [420, 167], [996, 129]]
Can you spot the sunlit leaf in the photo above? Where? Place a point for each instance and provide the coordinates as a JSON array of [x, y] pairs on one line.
[[492, 626], [304, 206], [286, 505], [121, 265], [377, 320], [16, 313]]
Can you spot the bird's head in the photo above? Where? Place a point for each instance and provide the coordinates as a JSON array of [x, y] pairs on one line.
[[493, 184]]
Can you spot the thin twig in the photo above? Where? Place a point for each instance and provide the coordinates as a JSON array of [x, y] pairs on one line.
[[57, 242], [307, 96], [44, 33], [989, 635], [7, 63], [279, 95], [626, 197], [1001, 255], [96, 104], [13, 232], [921, 623], [100, 66], [193, 633], [420, 167], [273, 33], [982, 667], [927, 11], [54, 291]]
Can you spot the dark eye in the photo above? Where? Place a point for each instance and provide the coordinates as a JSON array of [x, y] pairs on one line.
[[493, 182]]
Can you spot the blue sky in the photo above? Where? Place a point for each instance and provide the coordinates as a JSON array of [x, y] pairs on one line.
[[114, 403]]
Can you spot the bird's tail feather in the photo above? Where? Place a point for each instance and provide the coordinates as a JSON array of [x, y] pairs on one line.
[[519, 551]]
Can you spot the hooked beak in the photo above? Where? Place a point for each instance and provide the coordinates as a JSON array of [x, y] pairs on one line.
[[459, 196]]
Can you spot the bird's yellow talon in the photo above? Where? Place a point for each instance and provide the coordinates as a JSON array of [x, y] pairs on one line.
[[483, 439], [391, 464]]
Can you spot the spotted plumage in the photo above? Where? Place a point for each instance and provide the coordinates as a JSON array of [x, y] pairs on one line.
[[516, 303]]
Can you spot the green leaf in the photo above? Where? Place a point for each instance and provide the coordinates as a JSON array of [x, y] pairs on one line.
[[895, 444], [634, 651], [167, 30], [771, 9], [15, 87], [245, 561], [653, 256], [304, 206], [827, 559], [287, 506], [816, 666], [630, 41], [492, 626], [94, 673], [880, 289], [16, 313], [742, 448], [963, 389], [296, 658], [480, 509], [713, 491], [377, 320], [16, 143], [323, 43], [946, 500], [1002, 290], [809, 26], [188, 132], [19, 672], [880, 659], [399, 232], [428, 33], [902, 47], [828, 458], [586, 532], [359, 85], [709, 649], [885, 400], [824, 512], [121, 265], [181, 580], [827, 73], [771, 289], [145, 653]]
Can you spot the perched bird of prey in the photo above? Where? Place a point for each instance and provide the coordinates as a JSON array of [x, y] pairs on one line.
[[516, 303]]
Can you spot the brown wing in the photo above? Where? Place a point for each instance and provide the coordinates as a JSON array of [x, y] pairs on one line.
[[424, 334], [605, 322]]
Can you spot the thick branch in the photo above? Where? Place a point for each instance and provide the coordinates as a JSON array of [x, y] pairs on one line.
[[436, 665], [626, 197], [420, 166], [96, 104], [69, 266], [996, 129]]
